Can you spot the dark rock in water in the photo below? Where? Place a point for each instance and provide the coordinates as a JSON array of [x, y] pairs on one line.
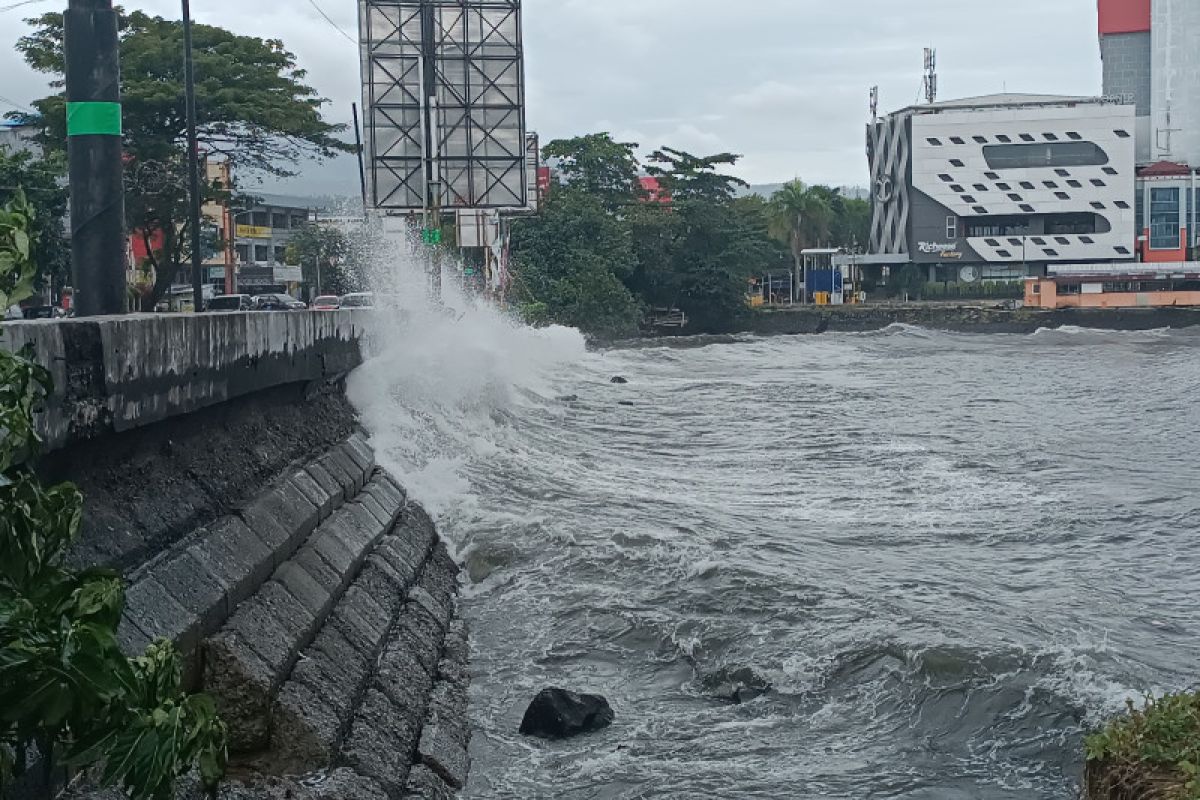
[[619, 379], [736, 684], [624, 402], [568, 398], [560, 714]]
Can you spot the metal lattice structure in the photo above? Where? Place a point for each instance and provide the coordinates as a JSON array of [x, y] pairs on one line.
[[444, 93], [889, 152]]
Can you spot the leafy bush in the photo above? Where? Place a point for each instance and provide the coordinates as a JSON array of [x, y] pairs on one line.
[[1151, 752], [66, 688]]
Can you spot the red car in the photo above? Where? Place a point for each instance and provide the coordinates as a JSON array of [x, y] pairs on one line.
[[327, 302]]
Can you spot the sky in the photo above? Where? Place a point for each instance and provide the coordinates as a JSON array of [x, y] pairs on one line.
[[783, 83]]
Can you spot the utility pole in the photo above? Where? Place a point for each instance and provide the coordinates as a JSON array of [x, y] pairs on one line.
[[93, 88], [189, 80]]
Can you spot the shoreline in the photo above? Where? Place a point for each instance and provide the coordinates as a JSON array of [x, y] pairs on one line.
[[962, 319]]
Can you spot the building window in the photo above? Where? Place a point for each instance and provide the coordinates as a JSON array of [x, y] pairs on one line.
[[1004, 187], [979, 210], [1062, 195], [1037, 288], [1086, 240], [1003, 138], [1015, 242], [980, 139], [1096, 204], [1075, 184], [1062, 173], [1027, 185], [956, 140], [1121, 204], [1050, 184], [1050, 154], [299, 220], [1049, 137], [934, 142], [966, 198], [979, 187], [1062, 240], [1004, 254], [946, 178], [1028, 209], [991, 243], [280, 254], [951, 228], [1140, 213], [954, 162], [1016, 198], [957, 189], [243, 253], [991, 176], [1051, 253], [1122, 134], [279, 221], [262, 253], [1122, 250], [260, 219], [1098, 182], [1073, 136], [1164, 219], [1111, 171]]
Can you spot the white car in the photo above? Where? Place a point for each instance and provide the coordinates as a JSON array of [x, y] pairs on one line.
[[359, 300], [13, 313]]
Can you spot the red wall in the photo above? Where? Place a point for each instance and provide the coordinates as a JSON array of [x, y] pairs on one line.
[[1124, 16]]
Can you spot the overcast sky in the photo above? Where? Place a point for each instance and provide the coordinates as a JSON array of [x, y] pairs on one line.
[[782, 82]]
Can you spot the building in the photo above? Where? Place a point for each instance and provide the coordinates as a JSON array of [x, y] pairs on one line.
[[1003, 186], [18, 138], [262, 230], [1134, 286]]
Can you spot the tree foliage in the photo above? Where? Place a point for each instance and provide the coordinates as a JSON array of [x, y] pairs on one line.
[[328, 257], [600, 166], [66, 688], [40, 181], [253, 109]]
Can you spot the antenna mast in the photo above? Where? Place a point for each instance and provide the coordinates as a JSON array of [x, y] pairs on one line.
[[931, 78]]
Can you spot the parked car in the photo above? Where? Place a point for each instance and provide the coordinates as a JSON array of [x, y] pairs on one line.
[[359, 300], [12, 313], [276, 302], [41, 312], [327, 302], [231, 302]]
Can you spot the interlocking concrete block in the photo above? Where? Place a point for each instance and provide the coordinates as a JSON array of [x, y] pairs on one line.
[[448, 706], [231, 551], [154, 609], [321, 570], [400, 556], [362, 620], [372, 505], [240, 682], [306, 728], [361, 453], [342, 457], [361, 527], [342, 471], [269, 529], [276, 625], [425, 784], [417, 631], [403, 678], [440, 612], [440, 577], [287, 507], [326, 480], [334, 546], [397, 587], [441, 750], [346, 784], [334, 669], [197, 589], [312, 594], [390, 500], [379, 583], [314, 492], [132, 639], [381, 743]]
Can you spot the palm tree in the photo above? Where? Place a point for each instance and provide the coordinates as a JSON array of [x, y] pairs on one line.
[[800, 217]]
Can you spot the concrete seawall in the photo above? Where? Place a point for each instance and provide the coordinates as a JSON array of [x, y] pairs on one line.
[[225, 476], [968, 319]]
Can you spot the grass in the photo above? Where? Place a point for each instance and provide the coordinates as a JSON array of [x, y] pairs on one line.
[[1149, 753]]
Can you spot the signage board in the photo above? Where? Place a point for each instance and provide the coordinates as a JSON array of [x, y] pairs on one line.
[[288, 274], [252, 232]]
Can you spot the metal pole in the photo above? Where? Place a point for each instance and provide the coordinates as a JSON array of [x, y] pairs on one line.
[[189, 79], [362, 172], [93, 89]]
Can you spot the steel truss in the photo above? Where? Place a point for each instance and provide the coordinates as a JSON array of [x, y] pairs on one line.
[[450, 73]]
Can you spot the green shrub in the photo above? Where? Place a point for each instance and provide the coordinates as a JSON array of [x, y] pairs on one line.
[[1151, 752], [66, 688]]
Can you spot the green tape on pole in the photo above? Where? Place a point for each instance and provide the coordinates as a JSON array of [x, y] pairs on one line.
[[93, 119]]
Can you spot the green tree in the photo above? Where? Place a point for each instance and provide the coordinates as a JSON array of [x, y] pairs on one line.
[[253, 108], [327, 256], [600, 166], [800, 217], [687, 177], [40, 180], [570, 263]]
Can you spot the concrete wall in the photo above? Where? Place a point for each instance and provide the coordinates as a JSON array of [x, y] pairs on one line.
[[1127, 67], [225, 476], [1175, 133]]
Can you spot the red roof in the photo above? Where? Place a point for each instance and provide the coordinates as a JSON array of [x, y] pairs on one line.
[[1164, 169], [654, 190]]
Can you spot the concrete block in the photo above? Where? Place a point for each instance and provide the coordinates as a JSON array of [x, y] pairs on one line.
[[196, 588], [340, 470], [132, 639], [366, 500], [401, 555], [345, 784], [361, 527], [333, 546], [155, 611], [456, 647], [315, 493], [240, 681], [390, 500], [289, 510], [440, 750], [333, 668], [273, 533], [230, 550], [381, 743], [440, 577], [404, 679], [326, 480], [361, 453], [417, 632], [315, 597], [449, 706], [425, 784], [440, 612], [321, 571], [378, 582], [276, 625], [341, 457], [306, 729], [362, 620]]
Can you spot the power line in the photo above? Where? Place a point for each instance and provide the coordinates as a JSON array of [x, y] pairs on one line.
[[16, 105], [320, 11], [12, 6]]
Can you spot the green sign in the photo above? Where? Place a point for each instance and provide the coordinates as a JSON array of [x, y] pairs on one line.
[[431, 235], [93, 119], [468, 272]]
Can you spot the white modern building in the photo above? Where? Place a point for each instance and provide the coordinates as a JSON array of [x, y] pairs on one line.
[[1002, 186]]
